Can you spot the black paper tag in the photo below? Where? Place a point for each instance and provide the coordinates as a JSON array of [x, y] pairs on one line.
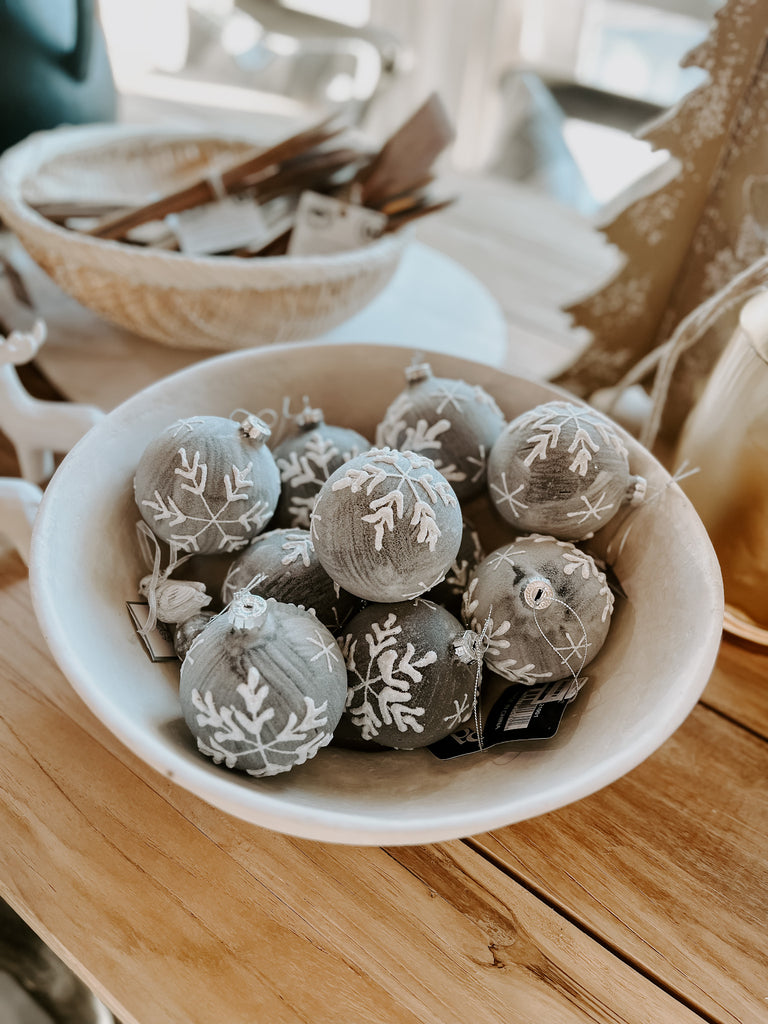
[[520, 713], [158, 642]]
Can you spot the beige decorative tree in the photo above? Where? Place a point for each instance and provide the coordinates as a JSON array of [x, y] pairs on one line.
[[707, 222]]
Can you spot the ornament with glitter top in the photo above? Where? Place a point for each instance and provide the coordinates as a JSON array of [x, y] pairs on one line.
[[410, 681], [307, 460], [451, 422], [387, 525], [208, 484], [263, 686], [545, 607], [283, 564], [561, 469]]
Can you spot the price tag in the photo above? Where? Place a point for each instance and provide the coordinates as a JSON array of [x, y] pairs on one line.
[[325, 225], [158, 641], [520, 713], [229, 223]]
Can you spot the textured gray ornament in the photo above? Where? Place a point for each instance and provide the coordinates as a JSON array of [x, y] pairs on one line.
[[451, 422], [561, 469], [545, 606], [207, 484], [387, 525], [283, 564], [407, 685], [263, 686], [185, 633], [450, 591], [307, 460]]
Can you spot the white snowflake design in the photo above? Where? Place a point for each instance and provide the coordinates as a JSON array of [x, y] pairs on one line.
[[526, 674], [244, 728], [297, 546], [551, 421], [402, 428], [234, 531], [508, 496], [461, 712], [310, 469], [381, 694], [426, 490]]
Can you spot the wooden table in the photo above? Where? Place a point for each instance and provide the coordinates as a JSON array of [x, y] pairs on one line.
[[648, 901]]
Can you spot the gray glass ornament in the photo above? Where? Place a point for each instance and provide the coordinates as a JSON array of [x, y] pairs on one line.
[[387, 525], [283, 564], [207, 484], [561, 469], [407, 685], [307, 460], [544, 606], [185, 633], [451, 422], [450, 591], [263, 686]]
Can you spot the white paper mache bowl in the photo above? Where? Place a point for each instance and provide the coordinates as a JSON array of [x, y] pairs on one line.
[[208, 302], [647, 678]]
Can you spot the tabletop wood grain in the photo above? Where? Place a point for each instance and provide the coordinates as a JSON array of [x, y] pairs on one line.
[[645, 902]]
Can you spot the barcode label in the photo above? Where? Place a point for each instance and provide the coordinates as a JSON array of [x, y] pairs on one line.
[[521, 714]]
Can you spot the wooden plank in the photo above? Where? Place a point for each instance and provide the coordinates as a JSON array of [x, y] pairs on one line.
[[174, 911], [667, 865], [738, 687]]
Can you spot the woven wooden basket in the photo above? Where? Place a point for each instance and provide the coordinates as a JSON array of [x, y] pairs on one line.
[[211, 302]]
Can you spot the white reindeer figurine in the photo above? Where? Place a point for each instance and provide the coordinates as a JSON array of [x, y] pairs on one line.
[[36, 429]]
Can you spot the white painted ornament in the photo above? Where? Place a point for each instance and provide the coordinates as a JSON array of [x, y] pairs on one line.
[[451, 422], [387, 525], [307, 460], [408, 686], [545, 607], [283, 564], [262, 686], [561, 469], [208, 484]]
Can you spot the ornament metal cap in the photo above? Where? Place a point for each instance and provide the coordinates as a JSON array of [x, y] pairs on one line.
[[417, 372], [309, 418], [538, 593], [246, 610], [255, 429]]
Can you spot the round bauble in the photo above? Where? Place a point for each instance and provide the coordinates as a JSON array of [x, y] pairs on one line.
[[185, 633], [544, 606], [387, 525], [208, 484], [263, 686], [450, 591], [307, 460], [451, 422], [407, 684], [283, 564], [561, 469]]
